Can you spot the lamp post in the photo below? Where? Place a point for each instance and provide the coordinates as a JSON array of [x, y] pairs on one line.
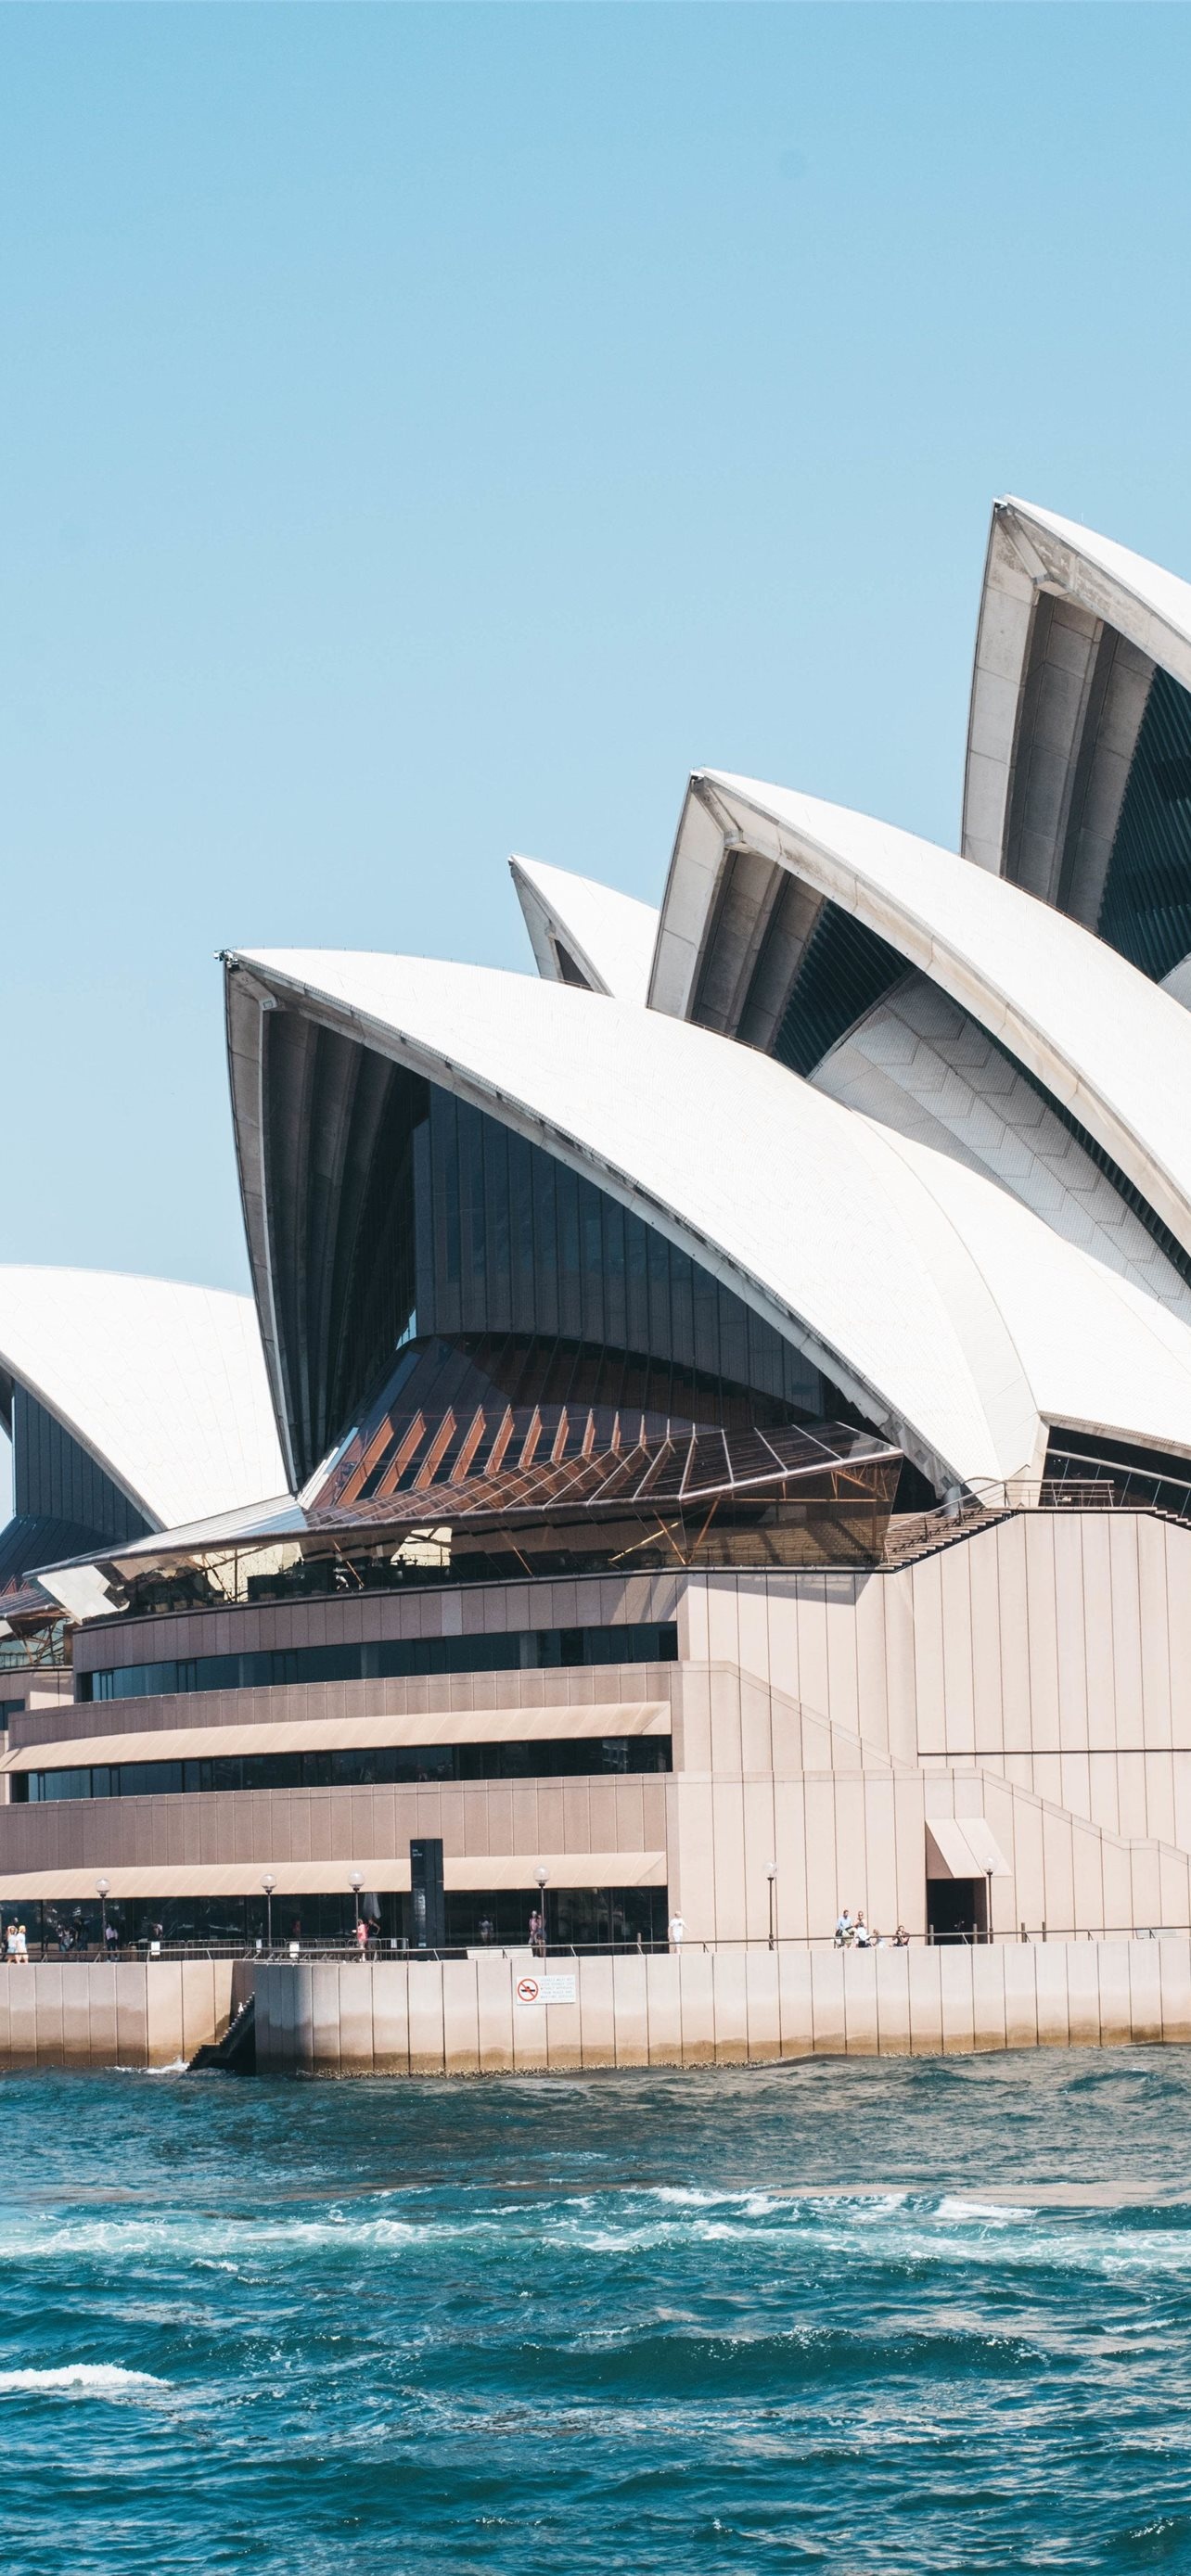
[[542, 1874], [356, 1883], [988, 1930], [268, 1885], [771, 1875], [102, 1886]]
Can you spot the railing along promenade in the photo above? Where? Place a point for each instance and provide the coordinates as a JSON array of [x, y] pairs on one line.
[[406, 1954]]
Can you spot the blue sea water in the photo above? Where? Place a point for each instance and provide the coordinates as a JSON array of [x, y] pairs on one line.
[[865, 2317]]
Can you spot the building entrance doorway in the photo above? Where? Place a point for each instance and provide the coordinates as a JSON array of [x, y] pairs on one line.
[[957, 1909]]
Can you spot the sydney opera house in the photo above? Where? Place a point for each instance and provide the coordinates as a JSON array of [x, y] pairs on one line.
[[711, 1432]]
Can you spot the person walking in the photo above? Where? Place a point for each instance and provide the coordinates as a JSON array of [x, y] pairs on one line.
[[362, 1938], [677, 1931], [22, 1950]]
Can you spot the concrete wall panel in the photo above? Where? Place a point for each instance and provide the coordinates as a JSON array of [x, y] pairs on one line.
[[1112, 1965], [321, 2004], [22, 2016], [1145, 1992], [664, 2008], [956, 1995], [892, 1969], [1174, 1967], [76, 2021], [390, 2019], [597, 2016], [355, 2018], [47, 1977], [629, 2011], [102, 1982], [461, 2016], [132, 2014], [531, 2052], [426, 2050], [795, 2005], [1083, 1994], [988, 1998], [1050, 1985], [164, 2023], [926, 2002], [861, 2034], [828, 1969], [761, 2004], [730, 2003]]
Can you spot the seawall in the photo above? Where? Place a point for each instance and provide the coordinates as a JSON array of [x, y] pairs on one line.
[[732, 2006], [134, 2012]]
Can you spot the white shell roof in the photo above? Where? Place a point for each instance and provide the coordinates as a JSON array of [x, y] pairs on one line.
[[957, 1320], [1109, 577], [609, 935], [1030, 552], [920, 1064], [163, 1385], [1108, 1044]]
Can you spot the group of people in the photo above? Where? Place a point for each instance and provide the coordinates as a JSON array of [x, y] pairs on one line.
[[853, 1933], [66, 1938]]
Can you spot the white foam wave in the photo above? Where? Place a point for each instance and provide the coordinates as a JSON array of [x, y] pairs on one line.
[[99, 2378], [954, 2208]]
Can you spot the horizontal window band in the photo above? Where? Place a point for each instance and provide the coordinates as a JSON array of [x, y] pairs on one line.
[[345, 1767], [387, 1659]]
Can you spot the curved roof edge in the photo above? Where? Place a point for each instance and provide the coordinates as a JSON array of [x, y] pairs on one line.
[[1033, 553], [159, 1383], [574, 922], [689, 1133], [1109, 1046]]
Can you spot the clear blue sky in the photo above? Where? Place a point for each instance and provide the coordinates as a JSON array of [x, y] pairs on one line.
[[430, 432]]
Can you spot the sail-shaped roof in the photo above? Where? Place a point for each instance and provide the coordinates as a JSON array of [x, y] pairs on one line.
[[957, 1328], [1078, 764], [585, 933], [1109, 1047], [162, 1385]]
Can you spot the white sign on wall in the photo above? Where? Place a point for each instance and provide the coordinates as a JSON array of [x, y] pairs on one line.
[[545, 1990]]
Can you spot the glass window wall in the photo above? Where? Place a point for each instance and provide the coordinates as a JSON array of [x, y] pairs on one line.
[[351, 1767], [509, 1650]]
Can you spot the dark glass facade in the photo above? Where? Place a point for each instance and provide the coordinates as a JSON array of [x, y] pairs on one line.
[[510, 1650], [512, 1242], [1146, 907], [354, 1767], [63, 1503], [399, 1212], [845, 969], [54, 1479]]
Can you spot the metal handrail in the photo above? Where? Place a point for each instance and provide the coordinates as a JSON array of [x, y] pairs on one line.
[[390, 1952]]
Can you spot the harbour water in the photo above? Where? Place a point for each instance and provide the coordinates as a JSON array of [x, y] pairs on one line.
[[869, 2316]]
